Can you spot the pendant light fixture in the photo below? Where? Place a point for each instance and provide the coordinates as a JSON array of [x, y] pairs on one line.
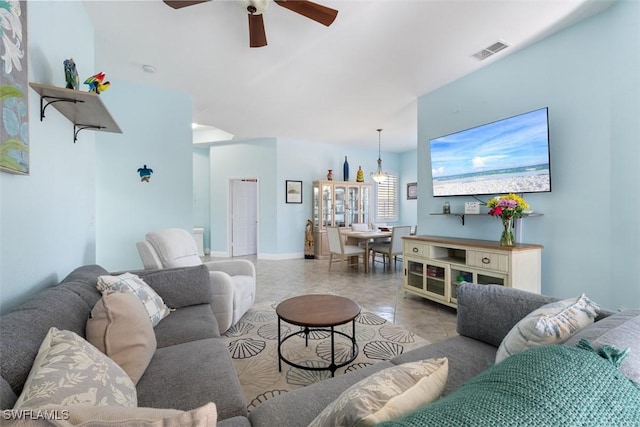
[[379, 176]]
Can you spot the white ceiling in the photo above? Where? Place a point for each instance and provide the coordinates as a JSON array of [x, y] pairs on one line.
[[334, 84]]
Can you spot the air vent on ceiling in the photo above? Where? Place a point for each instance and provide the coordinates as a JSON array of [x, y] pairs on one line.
[[491, 50]]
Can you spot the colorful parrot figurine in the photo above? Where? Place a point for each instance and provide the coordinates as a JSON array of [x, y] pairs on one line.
[[71, 74], [145, 173], [95, 83]]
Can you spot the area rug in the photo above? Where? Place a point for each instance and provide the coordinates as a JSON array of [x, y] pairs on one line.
[[253, 345]]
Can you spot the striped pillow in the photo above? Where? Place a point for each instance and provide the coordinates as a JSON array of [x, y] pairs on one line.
[[553, 323]]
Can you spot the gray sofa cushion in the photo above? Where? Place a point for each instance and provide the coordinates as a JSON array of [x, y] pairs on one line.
[[300, 407], [467, 358], [488, 312], [24, 328], [191, 323], [82, 281], [621, 330], [180, 287], [8, 397], [234, 422], [188, 375]]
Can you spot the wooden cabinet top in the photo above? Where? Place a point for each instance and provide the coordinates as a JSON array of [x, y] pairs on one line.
[[473, 243]]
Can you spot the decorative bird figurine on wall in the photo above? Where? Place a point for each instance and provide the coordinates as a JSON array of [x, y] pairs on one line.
[[96, 83], [145, 173], [71, 74]]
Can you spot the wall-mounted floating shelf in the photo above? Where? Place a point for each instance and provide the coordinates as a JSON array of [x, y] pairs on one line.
[[84, 109], [462, 215]]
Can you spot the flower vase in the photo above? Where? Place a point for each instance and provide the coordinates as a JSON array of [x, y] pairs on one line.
[[330, 175], [507, 239]]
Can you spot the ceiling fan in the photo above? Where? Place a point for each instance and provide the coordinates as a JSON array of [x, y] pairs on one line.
[[257, 34]]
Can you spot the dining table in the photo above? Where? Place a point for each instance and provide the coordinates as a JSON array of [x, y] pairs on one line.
[[357, 237]]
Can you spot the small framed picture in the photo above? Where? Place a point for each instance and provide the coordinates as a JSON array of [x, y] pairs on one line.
[[293, 191], [472, 207], [412, 191]]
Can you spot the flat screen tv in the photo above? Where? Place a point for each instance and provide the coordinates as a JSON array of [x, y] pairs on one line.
[[506, 156]]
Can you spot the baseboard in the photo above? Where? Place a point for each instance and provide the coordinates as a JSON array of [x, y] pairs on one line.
[[219, 254], [277, 257]]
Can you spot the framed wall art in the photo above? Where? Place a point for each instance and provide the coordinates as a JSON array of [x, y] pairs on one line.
[[14, 126], [412, 191], [293, 191]]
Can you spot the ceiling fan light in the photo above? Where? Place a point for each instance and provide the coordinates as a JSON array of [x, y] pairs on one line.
[[259, 5]]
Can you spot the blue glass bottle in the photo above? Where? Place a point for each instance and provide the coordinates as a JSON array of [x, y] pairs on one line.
[[345, 170]]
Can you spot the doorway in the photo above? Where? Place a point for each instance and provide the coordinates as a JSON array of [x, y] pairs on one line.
[[244, 216]]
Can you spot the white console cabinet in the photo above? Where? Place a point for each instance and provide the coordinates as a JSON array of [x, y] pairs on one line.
[[434, 266]]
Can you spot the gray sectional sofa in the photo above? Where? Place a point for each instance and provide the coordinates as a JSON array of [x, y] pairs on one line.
[[192, 366]]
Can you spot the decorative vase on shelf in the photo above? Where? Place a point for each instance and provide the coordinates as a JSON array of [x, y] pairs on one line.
[[330, 175], [345, 169], [360, 175], [506, 239]]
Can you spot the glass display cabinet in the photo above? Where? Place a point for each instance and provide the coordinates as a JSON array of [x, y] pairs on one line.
[[341, 204]]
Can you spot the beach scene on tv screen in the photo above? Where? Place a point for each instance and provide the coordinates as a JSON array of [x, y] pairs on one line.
[[507, 156]]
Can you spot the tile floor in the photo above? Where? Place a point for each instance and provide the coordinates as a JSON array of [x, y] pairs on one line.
[[379, 291]]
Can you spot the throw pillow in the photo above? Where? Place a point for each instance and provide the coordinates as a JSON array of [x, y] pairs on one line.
[[128, 282], [552, 323], [106, 416], [69, 371], [387, 394], [621, 330], [553, 385], [119, 327]]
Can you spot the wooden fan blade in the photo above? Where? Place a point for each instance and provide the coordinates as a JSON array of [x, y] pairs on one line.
[[178, 4], [257, 35], [311, 10]]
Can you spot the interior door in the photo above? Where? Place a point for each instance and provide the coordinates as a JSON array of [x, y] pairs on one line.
[[244, 217]]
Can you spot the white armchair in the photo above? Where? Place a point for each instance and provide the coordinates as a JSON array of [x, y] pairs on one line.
[[234, 281]]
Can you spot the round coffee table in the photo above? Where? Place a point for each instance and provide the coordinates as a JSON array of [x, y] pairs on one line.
[[318, 313]]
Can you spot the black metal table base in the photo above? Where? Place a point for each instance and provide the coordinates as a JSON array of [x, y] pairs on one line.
[[333, 366]]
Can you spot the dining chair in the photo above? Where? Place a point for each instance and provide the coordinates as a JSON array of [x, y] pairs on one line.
[[393, 248], [338, 248]]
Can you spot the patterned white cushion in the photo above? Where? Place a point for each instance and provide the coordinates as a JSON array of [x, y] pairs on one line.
[[553, 323], [387, 394], [128, 282], [68, 371]]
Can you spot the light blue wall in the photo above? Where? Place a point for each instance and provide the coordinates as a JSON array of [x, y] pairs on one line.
[[156, 126], [588, 76], [46, 219], [409, 173], [201, 192], [273, 161], [246, 159]]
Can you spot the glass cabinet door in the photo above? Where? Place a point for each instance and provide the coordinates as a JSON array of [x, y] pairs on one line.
[[415, 274], [365, 205], [436, 283], [327, 206], [340, 206], [316, 207], [354, 206]]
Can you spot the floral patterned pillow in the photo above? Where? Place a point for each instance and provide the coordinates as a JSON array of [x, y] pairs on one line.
[[69, 371], [129, 282], [386, 395]]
